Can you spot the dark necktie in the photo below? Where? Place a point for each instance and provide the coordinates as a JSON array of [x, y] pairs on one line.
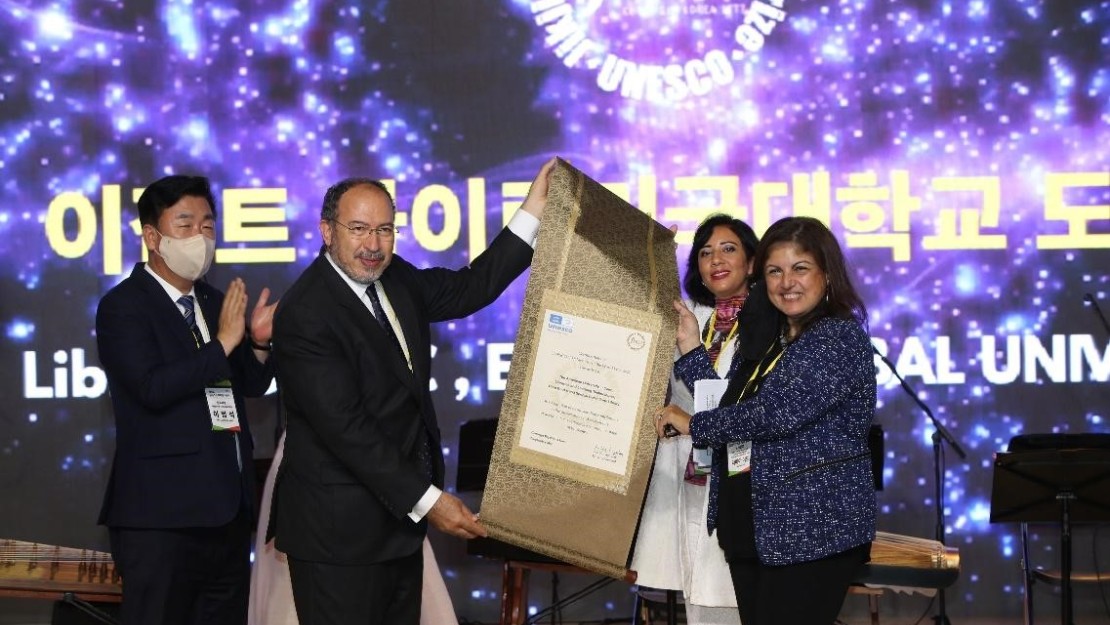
[[383, 321], [424, 445], [186, 301]]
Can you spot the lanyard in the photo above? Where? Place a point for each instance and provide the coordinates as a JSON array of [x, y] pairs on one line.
[[758, 375], [710, 331]]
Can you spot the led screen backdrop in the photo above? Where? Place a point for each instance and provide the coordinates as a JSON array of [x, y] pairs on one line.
[[958, 149]]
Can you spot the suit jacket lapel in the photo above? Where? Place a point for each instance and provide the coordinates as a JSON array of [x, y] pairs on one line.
[[211, 313], [168, 309], [363, 319], [404, 308]]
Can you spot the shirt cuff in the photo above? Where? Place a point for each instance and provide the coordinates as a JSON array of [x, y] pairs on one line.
[[525, 225], [424, 506]]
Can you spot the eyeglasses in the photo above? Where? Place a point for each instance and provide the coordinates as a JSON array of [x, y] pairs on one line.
[[361, 231]]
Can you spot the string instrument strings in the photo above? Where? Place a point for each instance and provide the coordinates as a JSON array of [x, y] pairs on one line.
[[912, 552], [26, 560]]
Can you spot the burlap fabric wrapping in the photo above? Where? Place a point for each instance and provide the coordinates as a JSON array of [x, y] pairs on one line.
[[575, 440]]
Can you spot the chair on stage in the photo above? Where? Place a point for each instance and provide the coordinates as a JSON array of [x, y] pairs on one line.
[[1054, 482], [1035, 574], [652, 602]]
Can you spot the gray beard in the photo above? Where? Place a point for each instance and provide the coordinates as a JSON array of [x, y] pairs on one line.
[[359, 279]]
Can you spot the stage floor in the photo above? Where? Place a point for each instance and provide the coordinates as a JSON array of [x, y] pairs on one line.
[[893, 610]]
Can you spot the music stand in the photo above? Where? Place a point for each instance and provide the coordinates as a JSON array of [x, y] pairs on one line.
[[1053, 485]]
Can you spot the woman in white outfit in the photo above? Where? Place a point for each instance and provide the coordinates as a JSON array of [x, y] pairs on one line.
[[673, 550], [271, 599]]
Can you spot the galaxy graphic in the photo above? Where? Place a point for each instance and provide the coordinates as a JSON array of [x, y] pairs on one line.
[[959, 150]]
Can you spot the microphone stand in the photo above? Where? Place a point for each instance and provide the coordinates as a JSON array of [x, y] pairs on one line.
[[88, 609], [1090, 299], [939, 433]]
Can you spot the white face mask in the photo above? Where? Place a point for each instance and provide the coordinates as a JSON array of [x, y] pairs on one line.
[[189, 258]]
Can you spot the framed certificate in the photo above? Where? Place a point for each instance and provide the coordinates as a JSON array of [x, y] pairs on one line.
[[589, 384], [591, 362]]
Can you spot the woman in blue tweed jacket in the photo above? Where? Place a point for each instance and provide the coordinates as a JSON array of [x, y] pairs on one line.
[[795, 509]]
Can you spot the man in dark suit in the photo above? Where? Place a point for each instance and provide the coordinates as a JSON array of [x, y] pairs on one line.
[[178, 358], [363, 468]]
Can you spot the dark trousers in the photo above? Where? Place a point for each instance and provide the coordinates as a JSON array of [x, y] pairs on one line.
[[808, 593], [189, 576], [387, 593]]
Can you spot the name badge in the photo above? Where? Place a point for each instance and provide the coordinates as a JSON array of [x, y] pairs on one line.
[[739, 457], [221, 407], [703, 461]]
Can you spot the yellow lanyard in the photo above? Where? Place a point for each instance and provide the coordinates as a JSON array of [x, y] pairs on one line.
[[711, 331], [759, 375]]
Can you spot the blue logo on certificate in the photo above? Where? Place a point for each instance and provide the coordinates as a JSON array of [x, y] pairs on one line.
[[559, 323]]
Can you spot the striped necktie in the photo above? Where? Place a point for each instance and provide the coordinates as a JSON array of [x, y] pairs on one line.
[[186, 301], [188, 304]]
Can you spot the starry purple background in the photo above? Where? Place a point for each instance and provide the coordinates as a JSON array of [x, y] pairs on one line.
[[300, 95]]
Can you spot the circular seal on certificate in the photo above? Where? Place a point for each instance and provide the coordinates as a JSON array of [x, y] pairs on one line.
[[637, 341]]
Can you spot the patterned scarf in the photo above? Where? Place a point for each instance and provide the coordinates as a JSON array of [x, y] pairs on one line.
[[724, 322], [727, 310]]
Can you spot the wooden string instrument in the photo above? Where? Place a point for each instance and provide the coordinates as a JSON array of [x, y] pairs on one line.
[[36, 571], [912, 552], [898, 560]]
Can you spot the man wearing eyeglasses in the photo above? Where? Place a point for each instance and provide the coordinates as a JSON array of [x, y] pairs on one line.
[[363, 468]]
